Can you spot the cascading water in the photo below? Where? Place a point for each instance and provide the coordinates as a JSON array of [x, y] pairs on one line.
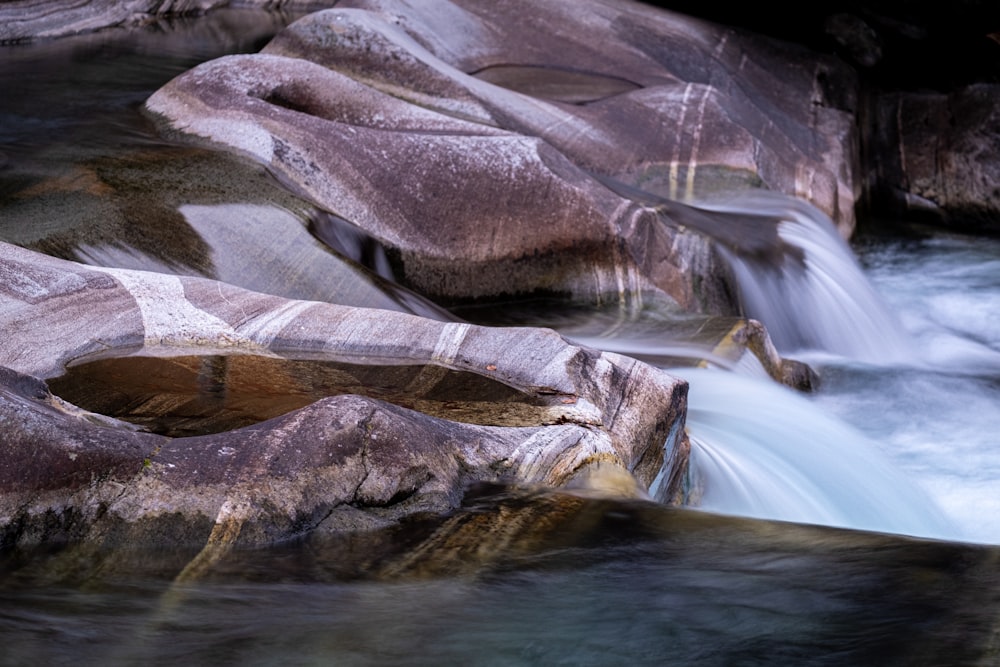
[[648, 585], [816, 298], [759, 450], [919, 390], [762, 451], [937, 417]]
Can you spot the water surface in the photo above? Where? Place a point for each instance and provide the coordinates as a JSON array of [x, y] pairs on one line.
[[626, 583]]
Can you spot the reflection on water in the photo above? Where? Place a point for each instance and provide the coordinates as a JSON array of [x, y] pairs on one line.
[[196, 395], [85, 89], [615, 583], [578, 581], [85, 176]]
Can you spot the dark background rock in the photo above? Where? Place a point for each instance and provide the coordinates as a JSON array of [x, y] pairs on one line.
[[935, 157], [913, 45], [930, 143]]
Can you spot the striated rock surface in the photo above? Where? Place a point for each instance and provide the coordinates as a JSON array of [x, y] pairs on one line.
[[23, 20], [197, 384], [193, 212], [515, 405], [678, 106], [480, 211], [503, 164]]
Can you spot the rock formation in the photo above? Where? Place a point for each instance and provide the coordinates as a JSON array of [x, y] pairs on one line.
[[937, 156], [238, 387], [517, 188], [23, 20], [519, 405]]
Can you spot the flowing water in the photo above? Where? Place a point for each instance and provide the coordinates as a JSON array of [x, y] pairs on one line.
[[900, 438], [817, 298], [908, 355], [938, 416], [765, 452]]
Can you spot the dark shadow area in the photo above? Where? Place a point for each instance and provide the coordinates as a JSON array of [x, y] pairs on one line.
[[515, 577], [198, 395]]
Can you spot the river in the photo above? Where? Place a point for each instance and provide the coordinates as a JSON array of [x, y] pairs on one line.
[[900, 438]]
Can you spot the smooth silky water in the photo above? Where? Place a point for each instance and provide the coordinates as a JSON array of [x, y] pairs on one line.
[[899, 440], [936, 416]]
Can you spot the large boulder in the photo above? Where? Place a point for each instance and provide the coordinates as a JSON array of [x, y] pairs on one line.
[[479, 211], [678, 106], [488, 173], [388, 414]]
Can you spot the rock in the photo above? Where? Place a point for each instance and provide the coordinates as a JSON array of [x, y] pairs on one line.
[[731, 343], [532, 408], [937, 156], [24, 20], [201, 213], [855, 37], [519, 217], [507, 194], [656, 99]]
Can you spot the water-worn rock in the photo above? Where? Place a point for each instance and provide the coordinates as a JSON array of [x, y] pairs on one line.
[[484, 190], [681, 107], [201, 213], [22, 20], [480, 211], [343, 462]]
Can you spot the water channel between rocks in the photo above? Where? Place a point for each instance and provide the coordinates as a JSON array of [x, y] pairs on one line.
[[614, 583]]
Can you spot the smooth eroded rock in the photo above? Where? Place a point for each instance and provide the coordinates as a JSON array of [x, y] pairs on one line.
[[294, 446]]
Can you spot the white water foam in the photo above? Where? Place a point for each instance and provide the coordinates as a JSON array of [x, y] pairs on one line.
[[937, 419]]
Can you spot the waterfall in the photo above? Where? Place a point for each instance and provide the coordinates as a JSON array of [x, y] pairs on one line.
[[760, 450], [815, 298]]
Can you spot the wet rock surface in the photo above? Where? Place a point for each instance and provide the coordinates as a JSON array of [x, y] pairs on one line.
[[500, 160], [192, 212], [506, 193], [178, 388], [262, 431]]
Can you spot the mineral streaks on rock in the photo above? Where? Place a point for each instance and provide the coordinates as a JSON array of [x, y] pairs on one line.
[[345, 461], [479, 189], [936, 154], [680, 106], [471, 210], [23, 20]]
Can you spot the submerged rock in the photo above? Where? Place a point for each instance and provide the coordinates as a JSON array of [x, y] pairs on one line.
[[340, 452]]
